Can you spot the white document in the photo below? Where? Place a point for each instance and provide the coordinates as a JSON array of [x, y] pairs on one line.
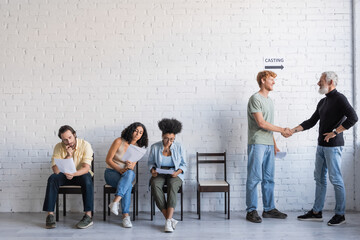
[[65, 165], [164, 171], [133, 153], [280, 155]]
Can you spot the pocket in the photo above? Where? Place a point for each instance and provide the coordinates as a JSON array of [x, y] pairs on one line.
[[338, 150]]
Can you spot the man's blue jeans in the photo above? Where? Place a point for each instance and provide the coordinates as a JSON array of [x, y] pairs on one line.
[[329, 158], [123, 185], [57, 180], [260, 168]]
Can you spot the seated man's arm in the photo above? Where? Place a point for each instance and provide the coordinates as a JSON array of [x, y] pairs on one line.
[[56, 154], [83, 170], [85, 163], [55, 169]]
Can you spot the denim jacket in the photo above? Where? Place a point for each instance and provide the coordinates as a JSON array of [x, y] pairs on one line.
[[177, 154]]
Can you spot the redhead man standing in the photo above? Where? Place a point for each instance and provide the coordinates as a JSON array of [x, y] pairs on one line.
[[262, 149]]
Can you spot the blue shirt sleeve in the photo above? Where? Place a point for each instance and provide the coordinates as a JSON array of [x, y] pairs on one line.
[[151, 160]]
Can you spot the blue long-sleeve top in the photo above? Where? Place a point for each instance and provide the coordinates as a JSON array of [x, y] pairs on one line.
[[177, 154], [333, 110]]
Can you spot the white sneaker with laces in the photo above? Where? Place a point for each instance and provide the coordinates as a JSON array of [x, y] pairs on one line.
[[168, 227], [114, 207], [126, 222], [173, 223]]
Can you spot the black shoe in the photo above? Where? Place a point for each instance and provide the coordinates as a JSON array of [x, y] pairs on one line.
[[311, 216], [253, 216], [336, 220], [274, 213], [50, 221]]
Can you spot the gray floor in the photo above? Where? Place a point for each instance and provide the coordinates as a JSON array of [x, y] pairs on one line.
[[211, 226]]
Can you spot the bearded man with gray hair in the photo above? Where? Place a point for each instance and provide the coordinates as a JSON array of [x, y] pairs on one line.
[[336, 115]]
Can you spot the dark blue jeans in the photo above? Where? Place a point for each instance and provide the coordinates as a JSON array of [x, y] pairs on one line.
[[57, 180]]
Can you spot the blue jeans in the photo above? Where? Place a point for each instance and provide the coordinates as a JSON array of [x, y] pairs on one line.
[[123, 185], [329, 158], [57, 180], [260, 168]]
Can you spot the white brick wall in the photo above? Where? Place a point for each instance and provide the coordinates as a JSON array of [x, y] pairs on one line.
[[100, 65], [356, 27]]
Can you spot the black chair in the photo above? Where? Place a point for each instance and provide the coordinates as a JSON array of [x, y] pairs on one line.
[[71, 189], [152, 201], [109, 190], [215, 185]]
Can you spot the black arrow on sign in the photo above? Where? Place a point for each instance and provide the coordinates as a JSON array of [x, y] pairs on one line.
[[274, 67]]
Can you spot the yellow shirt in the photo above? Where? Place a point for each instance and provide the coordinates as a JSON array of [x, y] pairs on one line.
[[83, 153]]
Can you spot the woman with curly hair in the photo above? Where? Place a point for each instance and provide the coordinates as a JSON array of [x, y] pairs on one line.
[[119, 172], [167, 154]]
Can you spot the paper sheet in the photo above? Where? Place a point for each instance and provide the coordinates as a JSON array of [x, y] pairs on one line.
[[280, 155], [133, 153], [65, 165], [164, 171]]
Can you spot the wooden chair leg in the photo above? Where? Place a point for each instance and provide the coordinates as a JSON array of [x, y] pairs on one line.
[[197, 201], [229, 204], [137, 202], [225, 202], [57, 208], [134, 206], [104, 207], [199, 206], [108, 204], [64, 204], [151, 205], [182, 204]]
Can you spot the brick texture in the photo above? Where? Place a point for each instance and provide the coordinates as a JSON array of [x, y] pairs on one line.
[[101, 65]]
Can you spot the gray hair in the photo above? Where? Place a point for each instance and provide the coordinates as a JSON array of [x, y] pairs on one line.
[[330, 75]]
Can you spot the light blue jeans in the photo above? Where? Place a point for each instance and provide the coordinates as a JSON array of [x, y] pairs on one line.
[[329, 158], [260, 168], [123, 185]]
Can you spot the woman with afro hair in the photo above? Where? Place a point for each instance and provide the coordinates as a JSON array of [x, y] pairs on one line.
[[119, 172], [167, 154]]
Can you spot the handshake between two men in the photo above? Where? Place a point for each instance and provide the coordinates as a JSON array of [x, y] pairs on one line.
[[287, 132]]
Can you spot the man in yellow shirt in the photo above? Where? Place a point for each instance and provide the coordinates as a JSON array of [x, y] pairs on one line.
[[82, 154]]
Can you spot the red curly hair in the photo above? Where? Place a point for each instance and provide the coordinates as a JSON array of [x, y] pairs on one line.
[[264, 74]]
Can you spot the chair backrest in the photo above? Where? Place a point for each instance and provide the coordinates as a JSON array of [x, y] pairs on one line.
[[92, 167], [208, 158], [137, 173]]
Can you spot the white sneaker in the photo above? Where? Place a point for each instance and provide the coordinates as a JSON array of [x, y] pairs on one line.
[[126, 222], [173, 223], [114, 207], [168, 227]]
